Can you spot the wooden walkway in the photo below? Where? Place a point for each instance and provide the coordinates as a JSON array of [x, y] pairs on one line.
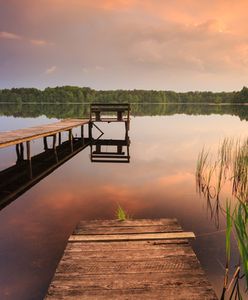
[[133, 259], [14, 137]]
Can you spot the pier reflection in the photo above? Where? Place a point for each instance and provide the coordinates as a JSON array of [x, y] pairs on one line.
[[110, 151], [17, 179]]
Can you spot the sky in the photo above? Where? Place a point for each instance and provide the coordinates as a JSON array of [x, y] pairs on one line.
[[176, 45]]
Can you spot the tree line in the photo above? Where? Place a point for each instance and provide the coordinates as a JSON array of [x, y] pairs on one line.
[[73, 94]]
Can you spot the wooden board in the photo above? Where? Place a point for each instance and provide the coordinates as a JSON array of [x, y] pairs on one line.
[[9, 138], [137, 269], [132, 237]]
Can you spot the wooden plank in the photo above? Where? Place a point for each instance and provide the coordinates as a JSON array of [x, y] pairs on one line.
[[136, 222], [132, 237], [168, 293], [129, 269], [127, 229]]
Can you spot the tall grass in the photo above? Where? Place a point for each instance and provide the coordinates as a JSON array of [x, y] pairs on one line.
[[229, 166]]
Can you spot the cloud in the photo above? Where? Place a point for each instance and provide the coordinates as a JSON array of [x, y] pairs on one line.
[[9, 35], [51, 70], [39, 42], [169, 40], [13, 36]]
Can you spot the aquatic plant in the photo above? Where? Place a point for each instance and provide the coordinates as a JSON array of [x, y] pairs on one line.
[[121, 214], [229, 166]]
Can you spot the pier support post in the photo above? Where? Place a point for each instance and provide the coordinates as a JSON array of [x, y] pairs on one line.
[[60, 138], [54, 141], [45, 143], [54, 147], [90, 125], [70, 139], [29, 159], [19, 152], [82, 134]]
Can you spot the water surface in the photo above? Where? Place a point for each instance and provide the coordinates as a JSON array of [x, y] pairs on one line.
[[159, 182]]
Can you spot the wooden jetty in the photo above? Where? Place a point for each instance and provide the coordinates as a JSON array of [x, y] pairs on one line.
[[132, 259], [19, 136]]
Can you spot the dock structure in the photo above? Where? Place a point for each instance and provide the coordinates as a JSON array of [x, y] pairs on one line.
[[111, 112], [20, 136], [132, 259]]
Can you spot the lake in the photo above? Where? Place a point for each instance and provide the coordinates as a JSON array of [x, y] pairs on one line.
[[158, 182]]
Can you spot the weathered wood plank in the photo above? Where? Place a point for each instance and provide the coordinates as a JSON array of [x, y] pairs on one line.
[[133, 282], [127, 229], [168, 293], [135, 269], [98, 252], [132, 237], [133, 223]]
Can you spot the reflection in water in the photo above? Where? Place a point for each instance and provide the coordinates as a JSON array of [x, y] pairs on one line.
[[117, 155], [15, 180]]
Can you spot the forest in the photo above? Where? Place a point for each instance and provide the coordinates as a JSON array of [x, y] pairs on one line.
[[73, 94]]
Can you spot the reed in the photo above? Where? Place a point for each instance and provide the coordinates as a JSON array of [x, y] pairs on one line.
[[230, 166]]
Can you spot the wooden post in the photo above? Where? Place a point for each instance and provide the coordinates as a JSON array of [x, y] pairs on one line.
[[29, 159], [82, 133], [28, 150], [128, 155], [119, 115], [19, 153], [22, 150], [119, 149], [71, 139], [90, 130], [128, 117], [98, 149], [55, 148], [45, 143], [54, 141], [59, 138]]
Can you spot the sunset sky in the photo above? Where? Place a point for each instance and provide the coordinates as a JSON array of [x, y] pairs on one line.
[[111, 44]]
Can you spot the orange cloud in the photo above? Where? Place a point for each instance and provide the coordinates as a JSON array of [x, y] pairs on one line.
[[39, 42]]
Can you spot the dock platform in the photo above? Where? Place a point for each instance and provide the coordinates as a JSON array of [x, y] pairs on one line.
[[14, 137], [132, 259]]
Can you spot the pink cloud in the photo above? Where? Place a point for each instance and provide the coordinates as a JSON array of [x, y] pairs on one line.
[[9, 35], [51, 70]]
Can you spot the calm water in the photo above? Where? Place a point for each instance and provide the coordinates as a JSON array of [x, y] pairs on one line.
[[158, 182]]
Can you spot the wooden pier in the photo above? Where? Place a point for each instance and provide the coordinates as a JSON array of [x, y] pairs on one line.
[[19, 136], [132, 259]]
